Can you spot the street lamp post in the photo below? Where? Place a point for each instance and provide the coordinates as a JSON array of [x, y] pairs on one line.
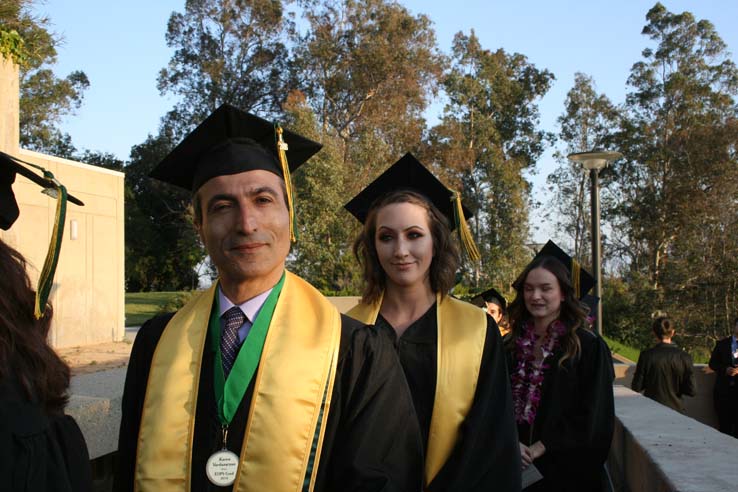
[[595, 161]]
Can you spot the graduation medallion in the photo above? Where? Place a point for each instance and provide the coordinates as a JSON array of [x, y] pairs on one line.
[[221, 468]]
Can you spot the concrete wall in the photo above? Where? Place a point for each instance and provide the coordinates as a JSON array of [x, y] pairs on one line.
[[656, 449]]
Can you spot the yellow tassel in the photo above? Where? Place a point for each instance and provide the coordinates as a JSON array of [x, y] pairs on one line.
[[575, 269], [281, 150], [467, 240]]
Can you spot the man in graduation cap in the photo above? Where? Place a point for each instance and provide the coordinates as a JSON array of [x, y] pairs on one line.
[[259, 383]]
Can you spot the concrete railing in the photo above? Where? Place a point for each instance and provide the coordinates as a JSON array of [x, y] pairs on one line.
[[656, 449]]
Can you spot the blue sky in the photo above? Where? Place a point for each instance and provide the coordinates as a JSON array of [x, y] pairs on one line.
[[121, 48]]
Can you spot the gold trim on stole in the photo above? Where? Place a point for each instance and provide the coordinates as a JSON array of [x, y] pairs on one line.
[[462, 330], [296, 372]]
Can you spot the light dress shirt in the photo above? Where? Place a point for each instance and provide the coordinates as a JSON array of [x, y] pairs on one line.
[[250, 308]]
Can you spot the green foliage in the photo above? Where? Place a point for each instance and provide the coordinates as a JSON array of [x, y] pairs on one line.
[[367, 68], [163, 251], [225, 52], [12, 46], [487, 138]]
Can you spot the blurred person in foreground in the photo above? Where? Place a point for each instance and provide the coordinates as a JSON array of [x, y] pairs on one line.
[[664, 372], [41, 448]]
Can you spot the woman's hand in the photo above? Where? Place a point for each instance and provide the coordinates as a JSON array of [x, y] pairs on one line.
[[525, 456], [537, 449]]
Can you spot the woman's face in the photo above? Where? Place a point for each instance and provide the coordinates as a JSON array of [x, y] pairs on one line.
[[404, 244], [542, 295]]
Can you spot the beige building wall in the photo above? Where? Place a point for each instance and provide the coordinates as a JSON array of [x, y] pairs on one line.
[[88, 294]]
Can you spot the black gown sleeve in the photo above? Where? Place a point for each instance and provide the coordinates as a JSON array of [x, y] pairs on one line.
[[585, 429], [134, 392], [637, 383], [487, 454], [372, 441]]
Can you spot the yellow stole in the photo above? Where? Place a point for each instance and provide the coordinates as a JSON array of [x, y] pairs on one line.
[[294, 381], [462, 329]]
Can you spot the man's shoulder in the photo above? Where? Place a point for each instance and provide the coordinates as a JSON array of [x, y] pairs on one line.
[[150, 332]]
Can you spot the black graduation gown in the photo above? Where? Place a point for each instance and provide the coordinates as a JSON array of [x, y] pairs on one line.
[[575, 419], [664, 374], [486, 456], [725, 392], [39, 452], [371, 443]]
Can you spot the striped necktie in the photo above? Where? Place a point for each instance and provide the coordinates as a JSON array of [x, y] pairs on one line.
[[229, 343]]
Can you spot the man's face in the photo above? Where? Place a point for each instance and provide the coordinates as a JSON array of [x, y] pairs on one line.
[[245, 226]]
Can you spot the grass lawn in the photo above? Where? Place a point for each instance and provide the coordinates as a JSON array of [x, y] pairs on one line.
[[624, 350], [140, 306]]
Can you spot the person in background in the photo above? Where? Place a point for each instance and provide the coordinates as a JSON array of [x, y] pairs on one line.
[[450, 350], [259, 383], [41, 449], [561, 376], [495, 305], [724, 361], [664, 372]]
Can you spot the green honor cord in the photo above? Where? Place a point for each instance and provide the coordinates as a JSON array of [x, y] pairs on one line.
[[229, 392]]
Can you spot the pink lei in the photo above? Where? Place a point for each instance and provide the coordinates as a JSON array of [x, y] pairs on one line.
[[528, 376]]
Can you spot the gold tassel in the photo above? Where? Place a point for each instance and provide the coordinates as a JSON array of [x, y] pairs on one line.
[[282, 152], [467, 240], [575, 269]]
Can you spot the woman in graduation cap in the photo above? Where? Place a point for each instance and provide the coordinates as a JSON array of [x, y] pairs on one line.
[[450, 350], [561, 376], [41, 449]]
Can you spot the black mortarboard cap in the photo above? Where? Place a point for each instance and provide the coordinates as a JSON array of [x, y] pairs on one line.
[[591, 302], [490, 295], [406, 174], [9, 167], [580, 278], [231, 141]]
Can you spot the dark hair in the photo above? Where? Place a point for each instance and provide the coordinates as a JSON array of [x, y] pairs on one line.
[[446, 254], [24, 351], [663, 328], [573, 313]]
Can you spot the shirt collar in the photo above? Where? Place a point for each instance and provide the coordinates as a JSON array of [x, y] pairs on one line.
[[250, 308]]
